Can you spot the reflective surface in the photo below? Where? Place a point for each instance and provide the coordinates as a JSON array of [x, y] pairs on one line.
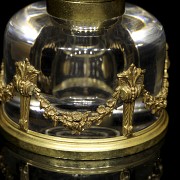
[[169, 11], [16, 163], [145, 32], [79, 63]]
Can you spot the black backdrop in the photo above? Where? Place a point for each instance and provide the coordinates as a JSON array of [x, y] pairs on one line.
[[167, 13]]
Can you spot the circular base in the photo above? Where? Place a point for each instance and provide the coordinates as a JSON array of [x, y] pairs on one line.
[[80, 167], [84, 149]]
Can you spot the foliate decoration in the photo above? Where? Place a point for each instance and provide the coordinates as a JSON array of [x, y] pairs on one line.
[[157, 103], [131, 86], [77, 121], [24, 82], [6, 91], [25, 78]]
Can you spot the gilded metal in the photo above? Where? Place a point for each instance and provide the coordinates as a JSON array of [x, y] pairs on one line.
[[24, 82], [87, 11], [128, 89], [131, 86], [84, 149], [77, 121], [157, 103], [25, 78], [72, 167]]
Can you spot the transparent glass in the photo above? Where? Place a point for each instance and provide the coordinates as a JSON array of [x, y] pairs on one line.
[[79, 64]]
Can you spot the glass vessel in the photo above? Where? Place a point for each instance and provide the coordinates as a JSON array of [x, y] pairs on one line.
[[79, 62], [84, 72]]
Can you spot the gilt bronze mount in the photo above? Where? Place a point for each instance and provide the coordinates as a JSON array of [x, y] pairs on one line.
[[129, 87]]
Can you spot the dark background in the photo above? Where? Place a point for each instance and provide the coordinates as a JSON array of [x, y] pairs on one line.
[[167, 13]]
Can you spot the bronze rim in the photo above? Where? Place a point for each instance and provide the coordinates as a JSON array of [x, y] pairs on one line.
[[84, 149]]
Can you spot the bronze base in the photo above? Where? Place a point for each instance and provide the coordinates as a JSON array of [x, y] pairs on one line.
[[84, 149]]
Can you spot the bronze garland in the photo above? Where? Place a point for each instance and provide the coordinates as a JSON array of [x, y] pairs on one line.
[[129, 87]]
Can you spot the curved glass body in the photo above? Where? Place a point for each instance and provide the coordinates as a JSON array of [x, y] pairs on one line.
[[79, 63]]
